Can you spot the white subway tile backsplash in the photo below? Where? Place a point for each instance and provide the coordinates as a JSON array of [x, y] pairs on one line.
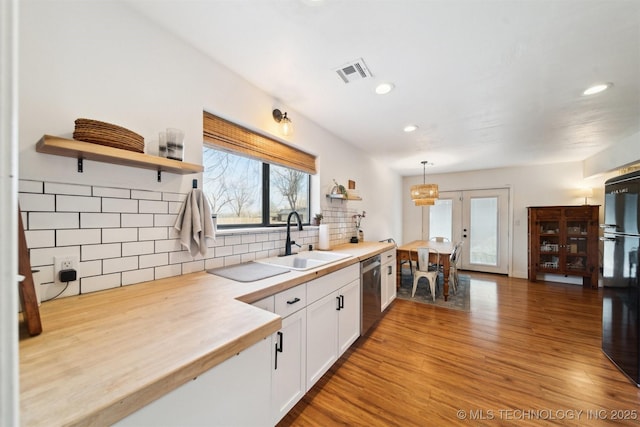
[[37, 202], [78, 237], [156, 207], [99, 220], [77, 204], [44, 256], [99, 283], [108, 250], [247, 257], [174, 197], [173, 233], [146, 195], [180, 257], [232, 240], [137, 248], [192, 267], [137, 276], [240, 249], [248, 238], [127, 236], [119, 205], [40, 238], [224, 251], [113, 235], [169, 245], [152, 233], [255, 247], [232, 260], [72, 189], [90, 268], [174, 207], [168, 271], [153, 260], [121, 193], [52, 290], [52, 220], [27, 186], [213, 263], [161, 220], [43, 274], [115, 265], [137, 220]]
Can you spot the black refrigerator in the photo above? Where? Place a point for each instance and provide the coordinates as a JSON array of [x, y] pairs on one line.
[[620, 316]]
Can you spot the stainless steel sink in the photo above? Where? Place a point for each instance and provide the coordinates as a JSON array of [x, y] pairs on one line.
[[304, 260]]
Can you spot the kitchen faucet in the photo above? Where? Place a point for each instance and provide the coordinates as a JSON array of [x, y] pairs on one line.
[[287, 244]]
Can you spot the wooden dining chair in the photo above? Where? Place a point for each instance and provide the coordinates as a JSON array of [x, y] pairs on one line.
[[427, 270]]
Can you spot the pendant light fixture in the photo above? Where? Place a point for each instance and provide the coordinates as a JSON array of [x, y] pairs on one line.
[[424, 194]]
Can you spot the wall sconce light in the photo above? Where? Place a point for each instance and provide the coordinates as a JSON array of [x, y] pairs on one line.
[[286, 127]]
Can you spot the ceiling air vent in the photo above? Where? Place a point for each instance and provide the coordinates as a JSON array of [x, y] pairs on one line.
[[355, 70]]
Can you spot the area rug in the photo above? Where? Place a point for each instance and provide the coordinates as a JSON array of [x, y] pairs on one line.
[[458, 301]]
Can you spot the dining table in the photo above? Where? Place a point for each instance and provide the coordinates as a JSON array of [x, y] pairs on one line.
[[409, 252]]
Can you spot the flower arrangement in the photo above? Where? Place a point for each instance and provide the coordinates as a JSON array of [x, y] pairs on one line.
[[358, 219]]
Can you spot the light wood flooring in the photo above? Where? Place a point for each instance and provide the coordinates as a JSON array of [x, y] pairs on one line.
[[526, 354]]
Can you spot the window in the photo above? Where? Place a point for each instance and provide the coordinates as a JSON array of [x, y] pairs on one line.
[[440, 216], [244, 192]]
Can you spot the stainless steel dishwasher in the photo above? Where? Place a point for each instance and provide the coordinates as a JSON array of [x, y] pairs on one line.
[[370, 282]]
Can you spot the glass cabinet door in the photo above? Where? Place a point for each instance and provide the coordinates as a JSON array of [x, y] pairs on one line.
[[549, 245], [576, 245]]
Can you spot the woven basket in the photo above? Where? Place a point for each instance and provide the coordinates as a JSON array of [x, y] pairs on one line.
[[102, 133]]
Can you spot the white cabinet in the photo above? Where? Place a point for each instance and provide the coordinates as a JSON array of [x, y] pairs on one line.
[[288, 365], [288, 350], [349, 316], [388, 282], [333, 319], [220, 396]]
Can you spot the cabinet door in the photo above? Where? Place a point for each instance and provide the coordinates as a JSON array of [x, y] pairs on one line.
[[288, 364], [322, 337], [348, 316], [388, 282], [219, 396]]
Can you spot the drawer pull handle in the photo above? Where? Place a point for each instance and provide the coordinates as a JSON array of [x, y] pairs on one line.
[[293, 301]]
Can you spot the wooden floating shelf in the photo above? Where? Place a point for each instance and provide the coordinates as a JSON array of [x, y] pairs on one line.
[[85, 150], [342, 197]]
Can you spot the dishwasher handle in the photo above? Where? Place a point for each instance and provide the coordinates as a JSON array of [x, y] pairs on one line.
[[371, 265]]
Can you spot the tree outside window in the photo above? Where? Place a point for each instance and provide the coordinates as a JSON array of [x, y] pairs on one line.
[[237, 187]]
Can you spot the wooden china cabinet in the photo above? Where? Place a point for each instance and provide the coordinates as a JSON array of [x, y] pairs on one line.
[[564, 240]]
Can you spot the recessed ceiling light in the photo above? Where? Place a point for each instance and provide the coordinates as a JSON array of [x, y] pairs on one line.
[[410, 128], [384, 88], [597, 88]]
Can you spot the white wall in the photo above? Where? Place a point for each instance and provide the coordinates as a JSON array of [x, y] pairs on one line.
[[542, 185], [101, 60], [9, 74]]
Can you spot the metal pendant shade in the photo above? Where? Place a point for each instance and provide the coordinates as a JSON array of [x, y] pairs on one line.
[[424, 194]]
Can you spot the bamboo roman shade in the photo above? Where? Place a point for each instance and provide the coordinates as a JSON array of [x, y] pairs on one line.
[[234, 138]]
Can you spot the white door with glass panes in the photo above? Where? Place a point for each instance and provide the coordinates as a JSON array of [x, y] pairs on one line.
[[480, 220]]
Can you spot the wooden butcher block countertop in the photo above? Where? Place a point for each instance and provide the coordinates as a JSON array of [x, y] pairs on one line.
[[102, 356]]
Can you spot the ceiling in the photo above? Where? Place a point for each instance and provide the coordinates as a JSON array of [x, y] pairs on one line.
[[488, 83]]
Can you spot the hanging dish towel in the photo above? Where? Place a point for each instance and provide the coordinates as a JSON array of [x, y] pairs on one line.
[[194, 223]]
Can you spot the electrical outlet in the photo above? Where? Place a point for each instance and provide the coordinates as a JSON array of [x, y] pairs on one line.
[[69, 262]]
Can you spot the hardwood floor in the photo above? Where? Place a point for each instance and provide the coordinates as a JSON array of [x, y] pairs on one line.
[[526, 354]]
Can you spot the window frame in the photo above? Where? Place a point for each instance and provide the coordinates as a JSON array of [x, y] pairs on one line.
[[265, 194]]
